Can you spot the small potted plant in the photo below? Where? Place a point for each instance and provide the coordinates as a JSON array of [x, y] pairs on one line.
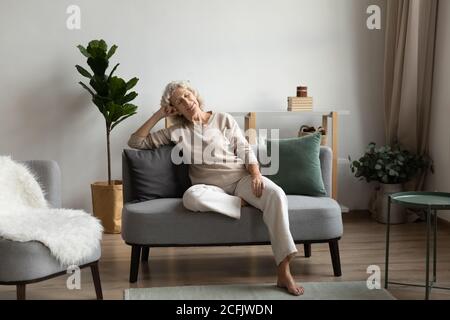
[[391, 167], [110, 95]]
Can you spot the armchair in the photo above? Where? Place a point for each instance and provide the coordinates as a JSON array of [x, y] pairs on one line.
[[24, 263]]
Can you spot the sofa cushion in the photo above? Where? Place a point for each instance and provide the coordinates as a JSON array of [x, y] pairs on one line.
[[299, 171], [152, 174], [167, 222]]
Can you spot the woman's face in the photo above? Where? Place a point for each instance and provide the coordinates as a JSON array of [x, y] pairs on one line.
[[185, 102]]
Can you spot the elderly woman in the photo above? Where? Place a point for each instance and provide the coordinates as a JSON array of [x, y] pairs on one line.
[[223, 169]]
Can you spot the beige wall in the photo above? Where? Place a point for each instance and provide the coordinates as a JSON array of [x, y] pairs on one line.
[[242, 55]]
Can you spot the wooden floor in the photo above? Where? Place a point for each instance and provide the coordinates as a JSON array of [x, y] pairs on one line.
[[363, 244]]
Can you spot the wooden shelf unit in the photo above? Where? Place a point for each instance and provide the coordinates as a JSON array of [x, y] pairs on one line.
[[327, 115]]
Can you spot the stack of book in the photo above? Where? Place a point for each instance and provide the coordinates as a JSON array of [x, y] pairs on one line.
[[300, 103]]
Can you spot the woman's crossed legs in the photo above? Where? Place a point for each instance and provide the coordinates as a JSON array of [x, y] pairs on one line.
[[273, 204]]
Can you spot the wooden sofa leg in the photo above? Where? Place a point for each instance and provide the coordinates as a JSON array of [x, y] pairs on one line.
[[134, 267], [145, 252], [335, 259], [97, 283], [21, 289], [307, 247]]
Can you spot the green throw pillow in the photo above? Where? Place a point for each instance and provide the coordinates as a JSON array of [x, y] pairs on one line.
[[299, 165]]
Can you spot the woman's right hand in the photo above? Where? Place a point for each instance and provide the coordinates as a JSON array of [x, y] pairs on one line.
[[168, 111], [154, 119]]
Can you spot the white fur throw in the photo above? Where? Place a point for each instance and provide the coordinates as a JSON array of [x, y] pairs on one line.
[[71, 235]]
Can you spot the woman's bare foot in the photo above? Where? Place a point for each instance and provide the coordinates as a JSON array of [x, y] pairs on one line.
[[288, 282], [285, 279]]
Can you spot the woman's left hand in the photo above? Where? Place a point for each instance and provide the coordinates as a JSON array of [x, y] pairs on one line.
[[257, 185]]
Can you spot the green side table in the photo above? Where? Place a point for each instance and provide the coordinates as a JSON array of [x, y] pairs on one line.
[[431, 201]]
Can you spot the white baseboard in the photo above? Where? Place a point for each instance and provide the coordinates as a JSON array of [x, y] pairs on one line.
[[344, 209], [444, 216]]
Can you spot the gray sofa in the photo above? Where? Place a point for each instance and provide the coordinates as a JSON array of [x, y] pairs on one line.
[[23, 263], [164, 222]]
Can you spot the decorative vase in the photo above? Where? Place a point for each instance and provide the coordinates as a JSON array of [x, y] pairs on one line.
[[107, 203], [398, 214]]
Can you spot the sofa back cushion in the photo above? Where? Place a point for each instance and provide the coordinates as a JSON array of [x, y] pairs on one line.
[[176, 180], [325, 157], [299, 170], [326, 163], [151, 174]]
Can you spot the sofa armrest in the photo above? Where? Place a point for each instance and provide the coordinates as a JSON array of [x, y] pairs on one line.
[[48, 175], [126, 183], [326, 164]]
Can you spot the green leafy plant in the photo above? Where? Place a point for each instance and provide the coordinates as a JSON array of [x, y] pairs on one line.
[[109, 93], [388, 164]]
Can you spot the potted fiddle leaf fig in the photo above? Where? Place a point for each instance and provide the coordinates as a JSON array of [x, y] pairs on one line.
[[391, 167], [112, 96]]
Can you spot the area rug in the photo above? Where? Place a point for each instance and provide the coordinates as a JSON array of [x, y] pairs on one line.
[[354, 290]]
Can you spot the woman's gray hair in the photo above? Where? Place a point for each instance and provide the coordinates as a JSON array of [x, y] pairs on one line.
[[167, 94]]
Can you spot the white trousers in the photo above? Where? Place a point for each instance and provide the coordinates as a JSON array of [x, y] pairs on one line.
[[272, 203]]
